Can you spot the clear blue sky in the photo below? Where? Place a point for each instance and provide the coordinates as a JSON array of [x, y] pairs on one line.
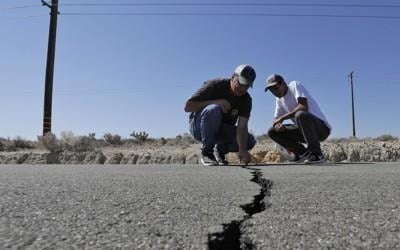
[[121, 74]]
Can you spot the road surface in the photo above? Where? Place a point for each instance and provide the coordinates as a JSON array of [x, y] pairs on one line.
[[193, 207]]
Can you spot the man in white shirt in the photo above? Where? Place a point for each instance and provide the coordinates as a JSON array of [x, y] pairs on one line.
[[309, 123]]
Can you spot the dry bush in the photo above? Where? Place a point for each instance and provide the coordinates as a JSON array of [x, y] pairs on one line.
[[386, 137], [343, 140], [50, 142], [184, 139], [15, 144], [263, 138], [22, 143], [6, 145], [73, 143], [112, 139]]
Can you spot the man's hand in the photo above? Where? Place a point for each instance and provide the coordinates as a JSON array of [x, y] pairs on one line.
[[223, 104], [278, 120], [244, 157], [279, 127]]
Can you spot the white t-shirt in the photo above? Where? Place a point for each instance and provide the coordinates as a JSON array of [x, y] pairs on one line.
[[288, 102]]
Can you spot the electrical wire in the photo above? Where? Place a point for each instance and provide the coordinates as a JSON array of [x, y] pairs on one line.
[[22, 17], [223, 14], [237, 4]]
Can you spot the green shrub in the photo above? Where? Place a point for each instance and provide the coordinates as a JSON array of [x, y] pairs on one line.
[[112, 139], [140, 136], [386, 137]]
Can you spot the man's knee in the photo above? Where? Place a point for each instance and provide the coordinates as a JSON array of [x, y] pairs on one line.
[[212, 111], [251, 142], [271, 132], [302, 115]]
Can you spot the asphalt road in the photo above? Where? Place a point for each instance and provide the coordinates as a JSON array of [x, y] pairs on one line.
[[351, 206], [329, 207], [114, 206]]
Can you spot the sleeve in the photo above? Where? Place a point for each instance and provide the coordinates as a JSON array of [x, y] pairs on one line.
[[279, 111], [299, 91], [205, 92]]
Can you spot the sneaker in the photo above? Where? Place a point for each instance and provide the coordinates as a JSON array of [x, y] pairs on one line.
[[220, 157], [300, 158], [315, 158], [288, 155], [208, 160]]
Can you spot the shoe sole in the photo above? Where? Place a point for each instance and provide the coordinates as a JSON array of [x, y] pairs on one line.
[[299, 161], [208, 164], [314, 162]]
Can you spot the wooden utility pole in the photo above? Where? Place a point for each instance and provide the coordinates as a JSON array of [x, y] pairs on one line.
[[352, 102], [51, 52]]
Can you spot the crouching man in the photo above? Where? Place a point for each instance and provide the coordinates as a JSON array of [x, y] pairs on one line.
[[220, 111], [310, 125]]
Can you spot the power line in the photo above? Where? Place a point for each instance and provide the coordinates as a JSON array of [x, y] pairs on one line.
[[22, 17], [22, 7], [217, 4], [237, 4], [223, 14]]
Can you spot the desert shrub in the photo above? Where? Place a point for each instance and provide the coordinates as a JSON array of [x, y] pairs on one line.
[[21, 143], [184, 139], [337, 140], [50, 142], [343, 139], [3, 143], [112, 139], [67, 137], [263, 138], [74, 143], [140, 136], [83, 144], [92, 136], [15, 144], [386, 137]]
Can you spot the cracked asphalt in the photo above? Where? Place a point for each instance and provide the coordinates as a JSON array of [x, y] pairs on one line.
[[114, 206], [349, 206]]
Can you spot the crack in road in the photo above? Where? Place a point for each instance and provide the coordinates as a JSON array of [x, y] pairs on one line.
[[230, 237]]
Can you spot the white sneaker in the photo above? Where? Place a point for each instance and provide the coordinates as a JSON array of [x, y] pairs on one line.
[[208, 160]]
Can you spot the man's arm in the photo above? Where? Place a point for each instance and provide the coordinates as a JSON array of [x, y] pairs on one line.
[[195, 106], [242, 138], [301, 106]]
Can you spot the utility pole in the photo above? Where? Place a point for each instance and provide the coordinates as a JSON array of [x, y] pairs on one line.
[[51, 52], [352, 103]]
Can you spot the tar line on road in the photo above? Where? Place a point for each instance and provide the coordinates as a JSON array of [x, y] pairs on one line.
[[230, 237]]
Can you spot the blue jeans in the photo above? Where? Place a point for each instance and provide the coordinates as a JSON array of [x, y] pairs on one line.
[[207, 127]]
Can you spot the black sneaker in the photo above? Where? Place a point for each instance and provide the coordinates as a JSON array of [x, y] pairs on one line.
[[300, 158], [315, 158], [220, 157], [208, 160]]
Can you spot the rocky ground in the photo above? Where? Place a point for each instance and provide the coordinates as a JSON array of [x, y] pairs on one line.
[[335, 150]]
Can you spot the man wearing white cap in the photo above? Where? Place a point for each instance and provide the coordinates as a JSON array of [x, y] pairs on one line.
[[220, 111], [310, 125]]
